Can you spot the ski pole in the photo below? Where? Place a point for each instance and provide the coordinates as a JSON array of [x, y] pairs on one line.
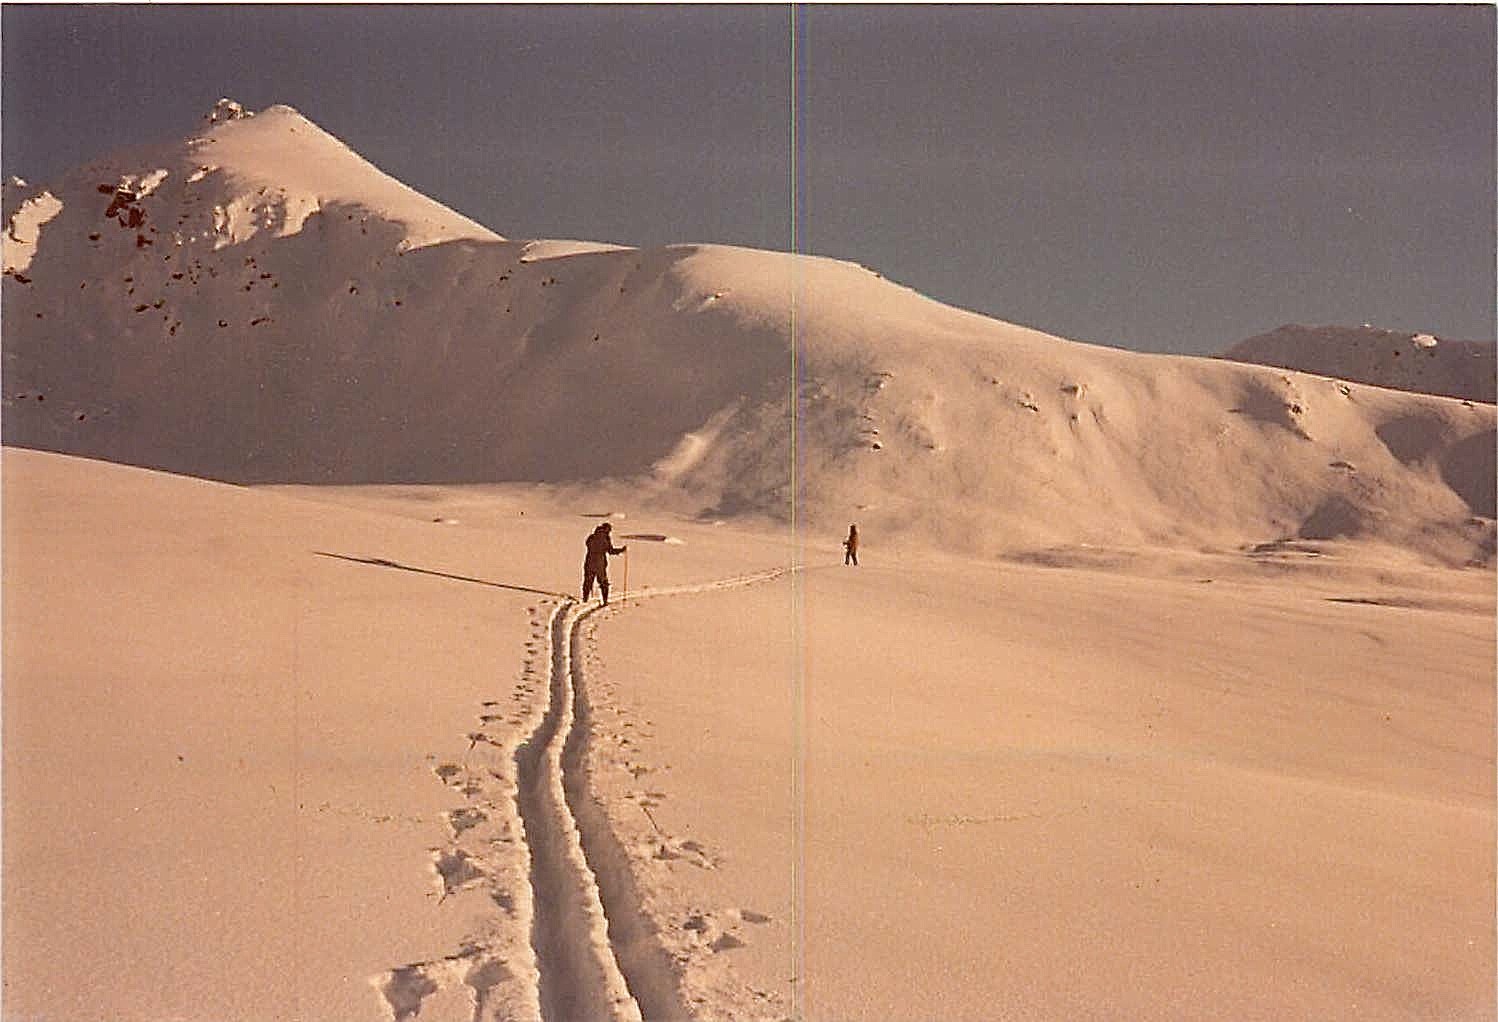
[[626, 574]]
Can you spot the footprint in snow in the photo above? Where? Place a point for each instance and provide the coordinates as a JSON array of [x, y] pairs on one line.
[[464, 819], [711, 932], [455, 870]]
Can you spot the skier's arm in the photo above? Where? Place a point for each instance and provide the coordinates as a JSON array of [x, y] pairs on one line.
[[618, 550]]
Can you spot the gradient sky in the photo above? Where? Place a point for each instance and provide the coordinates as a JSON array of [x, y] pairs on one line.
[[1159, 178]]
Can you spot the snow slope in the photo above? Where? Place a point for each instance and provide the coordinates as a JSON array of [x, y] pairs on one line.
[[1033, 793], [232, 762], [257, 304], [266, 758], [1385, 358]]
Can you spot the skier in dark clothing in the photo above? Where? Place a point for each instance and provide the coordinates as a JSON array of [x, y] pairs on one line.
[[850, 545], [596, 564]]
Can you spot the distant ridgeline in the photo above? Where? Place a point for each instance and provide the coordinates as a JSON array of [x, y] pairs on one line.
[[257, 303], [1384, 358]]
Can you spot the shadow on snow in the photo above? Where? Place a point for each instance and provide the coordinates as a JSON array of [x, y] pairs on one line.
[[380, 562]]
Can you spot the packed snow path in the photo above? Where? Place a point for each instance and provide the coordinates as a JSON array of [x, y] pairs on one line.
[[595, 952]]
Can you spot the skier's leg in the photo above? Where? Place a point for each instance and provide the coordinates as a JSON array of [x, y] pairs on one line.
[[603, 587], [587, 583]]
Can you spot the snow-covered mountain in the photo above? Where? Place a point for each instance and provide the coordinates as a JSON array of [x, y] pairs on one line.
[[1385, 358], [256, 303]]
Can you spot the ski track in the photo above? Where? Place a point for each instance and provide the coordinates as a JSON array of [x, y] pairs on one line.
[[594, 956]]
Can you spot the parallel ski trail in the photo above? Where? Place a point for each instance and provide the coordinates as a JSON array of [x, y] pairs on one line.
[[580, 978], [595, 950]]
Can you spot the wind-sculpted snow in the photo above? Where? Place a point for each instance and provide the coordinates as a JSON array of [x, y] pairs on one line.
[[274, 309]]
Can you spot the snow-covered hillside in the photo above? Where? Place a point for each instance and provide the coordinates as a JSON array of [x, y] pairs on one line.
[[256, 303], [1385, 358]]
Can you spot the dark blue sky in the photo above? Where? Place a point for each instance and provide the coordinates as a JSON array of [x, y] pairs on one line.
[[1162, 178]]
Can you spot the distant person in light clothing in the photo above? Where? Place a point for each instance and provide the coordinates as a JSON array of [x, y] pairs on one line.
[[596, 563], [850, 546]]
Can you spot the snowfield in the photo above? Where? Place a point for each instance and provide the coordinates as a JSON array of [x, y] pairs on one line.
[[364, 762]]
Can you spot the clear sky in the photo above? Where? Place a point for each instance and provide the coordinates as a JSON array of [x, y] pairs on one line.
[[1161, 178]]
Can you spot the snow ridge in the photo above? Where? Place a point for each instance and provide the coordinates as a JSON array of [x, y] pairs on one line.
[[275, 309]]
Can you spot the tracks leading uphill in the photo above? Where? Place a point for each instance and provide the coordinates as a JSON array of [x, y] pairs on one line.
[[595, 950], [580, 976]]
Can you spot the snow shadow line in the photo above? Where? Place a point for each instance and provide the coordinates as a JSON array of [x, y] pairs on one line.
[[380, 562]]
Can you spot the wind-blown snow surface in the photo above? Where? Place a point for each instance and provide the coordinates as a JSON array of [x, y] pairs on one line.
[[222, 747], [272, 759], [1033, 794], [258, 304], [1386, 358]]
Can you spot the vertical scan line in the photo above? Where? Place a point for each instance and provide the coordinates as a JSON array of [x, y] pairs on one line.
[[798, 674]]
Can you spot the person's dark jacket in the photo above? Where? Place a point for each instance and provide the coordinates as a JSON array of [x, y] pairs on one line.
[[599, 548]]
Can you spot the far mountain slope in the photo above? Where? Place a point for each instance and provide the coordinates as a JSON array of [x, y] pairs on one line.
[[337, 327], [1385, 358]]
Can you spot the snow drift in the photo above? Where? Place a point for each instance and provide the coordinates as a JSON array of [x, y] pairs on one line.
[[258, 304]]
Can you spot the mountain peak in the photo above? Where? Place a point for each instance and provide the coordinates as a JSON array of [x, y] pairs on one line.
[[242, 173], [282, 152], [226, 110]]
